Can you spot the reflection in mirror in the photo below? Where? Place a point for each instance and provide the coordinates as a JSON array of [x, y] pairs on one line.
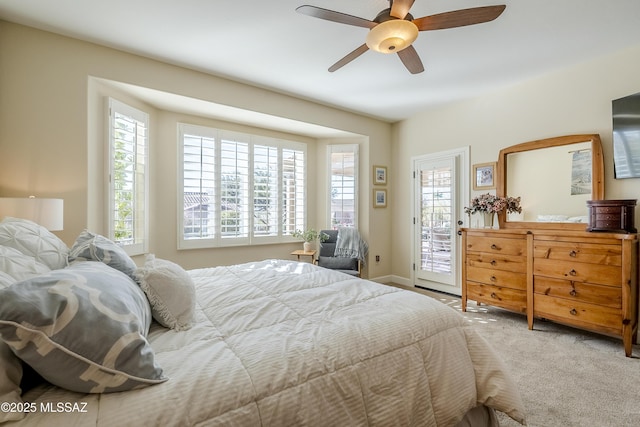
[[559, 190], [554, 178]]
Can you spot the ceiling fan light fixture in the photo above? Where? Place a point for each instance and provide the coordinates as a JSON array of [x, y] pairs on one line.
[[392, 36]]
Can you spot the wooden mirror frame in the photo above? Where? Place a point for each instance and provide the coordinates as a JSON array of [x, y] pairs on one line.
[[597, 178]]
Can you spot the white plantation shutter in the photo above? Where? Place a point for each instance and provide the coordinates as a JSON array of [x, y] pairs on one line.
[[239, 188], [234, 188], [343, 184], [293, 190], [265, 191], [199, 217], [128, 177]]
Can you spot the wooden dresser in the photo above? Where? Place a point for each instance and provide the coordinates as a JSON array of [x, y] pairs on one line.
[[585, 280]]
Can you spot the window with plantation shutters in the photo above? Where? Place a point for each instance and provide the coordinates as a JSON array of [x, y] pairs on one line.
[[239, 189], [128, 177]]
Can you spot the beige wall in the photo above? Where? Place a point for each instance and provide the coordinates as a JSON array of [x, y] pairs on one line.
[[52, 136], [576, 100]]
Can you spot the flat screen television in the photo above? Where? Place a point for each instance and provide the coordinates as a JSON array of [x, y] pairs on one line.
[[626, 136]]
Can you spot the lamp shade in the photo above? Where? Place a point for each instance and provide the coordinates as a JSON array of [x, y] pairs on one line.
[[392, 36], [46, 212]]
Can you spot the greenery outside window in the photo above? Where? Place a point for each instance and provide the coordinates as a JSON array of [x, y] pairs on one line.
[[128, 177]]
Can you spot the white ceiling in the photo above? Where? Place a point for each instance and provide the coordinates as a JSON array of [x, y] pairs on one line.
[[268, 44]]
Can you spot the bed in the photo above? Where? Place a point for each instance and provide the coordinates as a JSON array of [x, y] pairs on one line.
[[268, 343]]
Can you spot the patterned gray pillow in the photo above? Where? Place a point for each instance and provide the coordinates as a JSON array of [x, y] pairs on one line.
[[10, 375], [82, 328], [94, 247]]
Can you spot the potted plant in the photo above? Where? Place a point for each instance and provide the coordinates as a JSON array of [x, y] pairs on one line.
[[489, 205], [309, 236]]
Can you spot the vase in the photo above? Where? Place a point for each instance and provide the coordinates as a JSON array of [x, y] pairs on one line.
[[307, 246], [488, 219]]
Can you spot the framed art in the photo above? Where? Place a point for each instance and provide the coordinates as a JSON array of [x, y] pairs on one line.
[[379, 198], [484, 176], [380, 175]]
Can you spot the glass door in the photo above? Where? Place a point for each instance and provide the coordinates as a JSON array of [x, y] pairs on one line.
[[436, 213]]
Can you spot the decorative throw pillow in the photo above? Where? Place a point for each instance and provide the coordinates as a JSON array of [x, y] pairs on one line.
[[94, 247], [19, 266], [170, 291], [338, 263], [10, 375], [82, 328], [34, 240]]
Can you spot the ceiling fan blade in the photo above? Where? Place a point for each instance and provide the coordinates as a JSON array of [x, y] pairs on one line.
[[400, 8], [331, 15], [350, 57], [411, 60], [459, 18]]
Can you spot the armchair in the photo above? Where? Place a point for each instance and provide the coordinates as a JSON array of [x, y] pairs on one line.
[[327, 258]]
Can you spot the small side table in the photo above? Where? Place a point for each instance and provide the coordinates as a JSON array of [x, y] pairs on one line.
[[301, 252]]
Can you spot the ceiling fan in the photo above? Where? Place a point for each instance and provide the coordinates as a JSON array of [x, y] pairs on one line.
[[394, 29]]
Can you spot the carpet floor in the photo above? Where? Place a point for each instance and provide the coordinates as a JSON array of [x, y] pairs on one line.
[[567, 377]]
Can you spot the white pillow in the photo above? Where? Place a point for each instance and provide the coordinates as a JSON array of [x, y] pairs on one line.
[[171, 292], [19, 266], [34, 240], [5, 279]]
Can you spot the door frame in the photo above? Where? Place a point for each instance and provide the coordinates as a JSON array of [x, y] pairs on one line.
[[461, 157]]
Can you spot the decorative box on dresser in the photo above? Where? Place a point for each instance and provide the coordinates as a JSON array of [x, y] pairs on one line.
[[582, 279]]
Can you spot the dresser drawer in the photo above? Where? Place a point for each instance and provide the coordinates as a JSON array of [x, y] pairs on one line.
[[578, 313], [579, 252], [496, 245], [506, 279], [609, 296], [577, 271], [511, 299], [516, 264]]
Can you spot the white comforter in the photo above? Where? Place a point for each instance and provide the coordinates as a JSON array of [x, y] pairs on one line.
[[281, 343]]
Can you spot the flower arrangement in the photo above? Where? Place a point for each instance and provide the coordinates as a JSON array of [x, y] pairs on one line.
[[310, 235], [489, 203]]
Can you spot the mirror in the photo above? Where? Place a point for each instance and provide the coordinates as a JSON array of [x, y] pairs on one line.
[[554, 178]]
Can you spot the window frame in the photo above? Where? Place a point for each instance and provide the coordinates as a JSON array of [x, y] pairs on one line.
[[141, 244], [218, 135]]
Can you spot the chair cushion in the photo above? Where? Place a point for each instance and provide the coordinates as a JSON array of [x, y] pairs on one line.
[[338, 263]]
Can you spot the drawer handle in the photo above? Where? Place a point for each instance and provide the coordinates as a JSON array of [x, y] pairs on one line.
[[573, 293], [573, 311], [493, 278], [573, 254], [573, 273], [494, 246], [494, 262]]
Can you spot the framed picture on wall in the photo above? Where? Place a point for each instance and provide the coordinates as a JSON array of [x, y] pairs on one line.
[[380, 175], [484, 176], [379, 198]]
